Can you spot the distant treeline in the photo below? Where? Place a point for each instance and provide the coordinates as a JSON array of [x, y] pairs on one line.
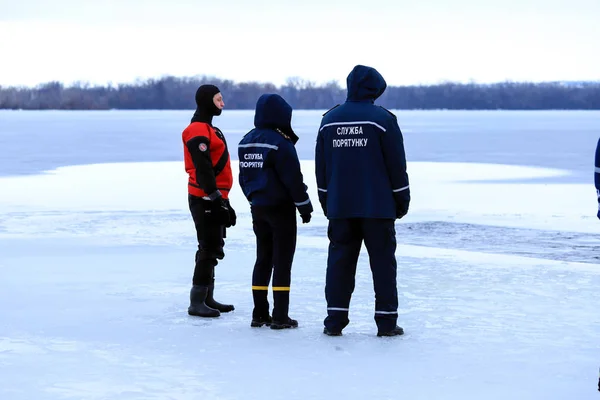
[[178, 93]]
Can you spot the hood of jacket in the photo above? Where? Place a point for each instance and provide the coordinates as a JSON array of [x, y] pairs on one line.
[[273, 112], [365, 84], [205, 106]]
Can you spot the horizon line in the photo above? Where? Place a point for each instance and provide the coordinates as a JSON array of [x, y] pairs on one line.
[[303, 82]]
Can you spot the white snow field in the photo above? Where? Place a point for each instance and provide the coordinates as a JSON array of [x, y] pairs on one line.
[[499, 290]]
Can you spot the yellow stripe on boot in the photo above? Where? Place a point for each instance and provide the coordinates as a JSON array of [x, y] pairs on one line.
[[260, 288], [281, 288]]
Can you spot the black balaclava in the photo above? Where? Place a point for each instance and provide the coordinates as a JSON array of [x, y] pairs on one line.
[[205, 106]]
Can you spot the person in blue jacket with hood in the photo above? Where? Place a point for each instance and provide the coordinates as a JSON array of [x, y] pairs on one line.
[[363, 188], [597, 175], [272, 181]]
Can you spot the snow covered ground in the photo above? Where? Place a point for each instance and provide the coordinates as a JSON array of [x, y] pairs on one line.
[[499, 288]]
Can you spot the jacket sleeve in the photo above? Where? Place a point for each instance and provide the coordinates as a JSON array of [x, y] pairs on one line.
[[287, 167], [320, 172], [392, 144], [199, 149], [597, 175], [241, 173]]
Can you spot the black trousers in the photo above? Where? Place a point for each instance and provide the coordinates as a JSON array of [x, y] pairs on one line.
[[275, 229], [345, 240], [210, 241]]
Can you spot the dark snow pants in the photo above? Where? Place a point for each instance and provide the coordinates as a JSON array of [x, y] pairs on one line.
[[275, 229], [345, 241], [210, 242]]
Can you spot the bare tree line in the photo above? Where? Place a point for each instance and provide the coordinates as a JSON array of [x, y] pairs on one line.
[[178, 93]]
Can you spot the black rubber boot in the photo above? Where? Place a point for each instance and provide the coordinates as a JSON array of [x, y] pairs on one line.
[[397, 331], [212, 303], [198, 306], [285, 324]]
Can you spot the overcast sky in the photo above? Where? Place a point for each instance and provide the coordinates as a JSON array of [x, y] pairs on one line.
[[409, 42]]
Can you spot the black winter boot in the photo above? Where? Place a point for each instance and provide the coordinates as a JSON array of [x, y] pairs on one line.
[[198, 306], [397, 331], [332, 333], [285, 324], [281, 305], [260, 313], [212, 303], [258, 322]]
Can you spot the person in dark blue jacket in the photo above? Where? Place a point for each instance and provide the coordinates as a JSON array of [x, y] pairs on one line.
[[363, 188], [597, 175], [272, 181]]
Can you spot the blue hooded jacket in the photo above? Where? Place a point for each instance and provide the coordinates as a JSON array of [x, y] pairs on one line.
[[269, 167], [597, 175], [359, 157]]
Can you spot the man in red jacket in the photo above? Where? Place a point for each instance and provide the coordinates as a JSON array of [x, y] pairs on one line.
[[210, 179]]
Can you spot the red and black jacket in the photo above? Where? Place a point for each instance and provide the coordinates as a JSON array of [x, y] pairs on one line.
[[206, 161]]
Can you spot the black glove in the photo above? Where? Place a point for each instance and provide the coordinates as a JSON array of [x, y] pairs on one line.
[[402, 200], [401, 209], [232, 215], [218, 212], [305, 210]]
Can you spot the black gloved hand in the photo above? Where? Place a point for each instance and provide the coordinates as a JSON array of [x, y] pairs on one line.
[[232, 215], [219, 212], [401, 209], [305, 211], [402, 200]]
